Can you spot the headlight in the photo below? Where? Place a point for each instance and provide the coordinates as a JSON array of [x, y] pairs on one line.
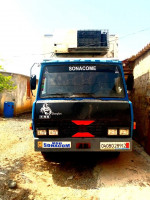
[[52, 132], [41, 132], [124, 132], [112, 131]]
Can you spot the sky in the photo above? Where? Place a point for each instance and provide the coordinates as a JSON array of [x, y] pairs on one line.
[[24, 22]]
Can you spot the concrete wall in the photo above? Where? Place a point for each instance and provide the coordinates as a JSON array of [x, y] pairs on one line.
[[141, 99], [21, 96]]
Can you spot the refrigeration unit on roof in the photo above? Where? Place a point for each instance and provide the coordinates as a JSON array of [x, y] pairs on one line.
[[82, 41]]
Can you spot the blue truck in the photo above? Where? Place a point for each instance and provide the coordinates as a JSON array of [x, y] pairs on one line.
[[82, 105]]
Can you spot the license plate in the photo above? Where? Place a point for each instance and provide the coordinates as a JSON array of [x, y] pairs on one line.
[[114, 145], [56, 145]]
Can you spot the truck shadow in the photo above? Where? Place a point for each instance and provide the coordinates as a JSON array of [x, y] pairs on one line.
[[77, 170]]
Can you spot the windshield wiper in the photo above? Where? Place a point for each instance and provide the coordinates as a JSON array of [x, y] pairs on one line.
[[71, 95], [83, 95], [64, 95]]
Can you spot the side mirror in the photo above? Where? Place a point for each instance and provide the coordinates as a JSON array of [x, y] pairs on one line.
[[33, 82], [130, 82]]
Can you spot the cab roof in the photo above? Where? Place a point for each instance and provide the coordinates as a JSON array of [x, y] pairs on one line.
[[60, 60]]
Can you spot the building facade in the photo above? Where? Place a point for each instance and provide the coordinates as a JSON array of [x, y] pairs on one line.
[[21, 96], [140, 96]]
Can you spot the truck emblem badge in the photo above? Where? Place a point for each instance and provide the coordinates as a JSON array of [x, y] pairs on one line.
[[47, 112]]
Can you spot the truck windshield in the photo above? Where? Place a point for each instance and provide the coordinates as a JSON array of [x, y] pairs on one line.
[[80, 80]]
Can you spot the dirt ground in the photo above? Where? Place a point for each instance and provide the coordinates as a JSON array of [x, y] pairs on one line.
[[94, 176]]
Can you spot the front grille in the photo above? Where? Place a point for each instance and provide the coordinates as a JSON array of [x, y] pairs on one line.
[[67, 128], [99, 129]]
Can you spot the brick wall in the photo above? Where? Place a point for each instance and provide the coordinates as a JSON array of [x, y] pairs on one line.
[[141, 99]]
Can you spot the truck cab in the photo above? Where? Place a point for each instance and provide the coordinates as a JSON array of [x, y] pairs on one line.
[[82, 106]]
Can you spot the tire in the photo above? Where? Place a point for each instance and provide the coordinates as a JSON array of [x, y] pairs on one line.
[[115, 154], [46, 156], [52, 156]]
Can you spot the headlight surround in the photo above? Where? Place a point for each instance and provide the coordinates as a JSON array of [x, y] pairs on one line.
[[41, 132], [124, 131], [112, 131], [53, 132]]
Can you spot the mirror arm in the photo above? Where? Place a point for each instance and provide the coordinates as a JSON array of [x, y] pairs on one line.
[[32, 93], [32, 67]]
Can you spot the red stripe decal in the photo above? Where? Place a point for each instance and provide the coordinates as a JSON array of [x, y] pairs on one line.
[[82, 122], [84, 134]]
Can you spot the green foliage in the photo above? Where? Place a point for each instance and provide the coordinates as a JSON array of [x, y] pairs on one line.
[[6, 83]]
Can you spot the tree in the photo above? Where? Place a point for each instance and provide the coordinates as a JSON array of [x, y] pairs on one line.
[[6, 83]]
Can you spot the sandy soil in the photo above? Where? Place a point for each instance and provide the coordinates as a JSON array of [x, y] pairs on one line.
[[96, 176]]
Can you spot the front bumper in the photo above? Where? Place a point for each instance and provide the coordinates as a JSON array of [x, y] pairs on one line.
[[82, 144]]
